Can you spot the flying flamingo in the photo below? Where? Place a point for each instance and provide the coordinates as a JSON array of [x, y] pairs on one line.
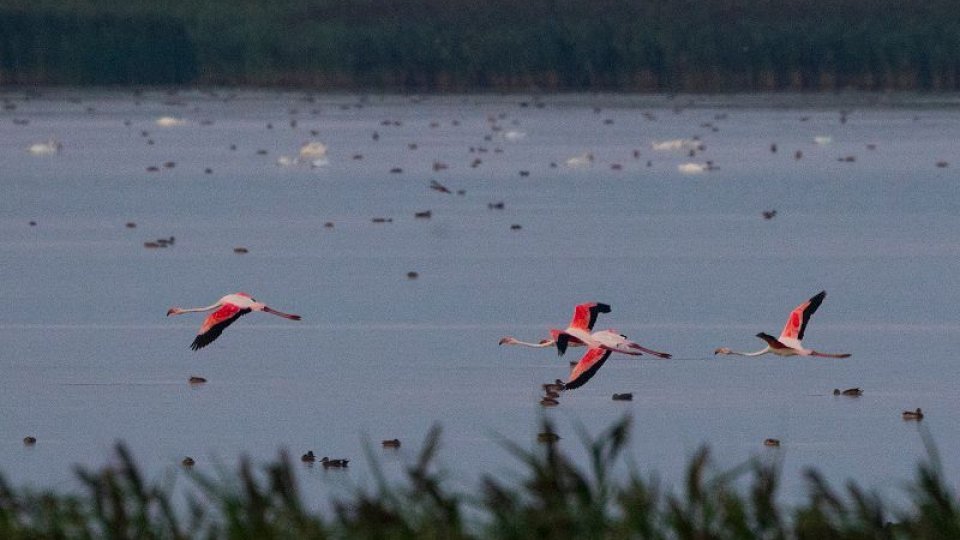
[[788, 344], [228, 309], [584, 317], [599, 344]]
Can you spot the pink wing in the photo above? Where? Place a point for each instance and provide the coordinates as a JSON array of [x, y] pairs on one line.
[[800, 316], [587, 367], [585, 315], [215, 323]]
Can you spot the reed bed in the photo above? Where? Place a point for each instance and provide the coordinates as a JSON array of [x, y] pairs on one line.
[[553, 498]]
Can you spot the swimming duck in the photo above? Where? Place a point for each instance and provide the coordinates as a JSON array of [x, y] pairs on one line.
[[335, 463], [549, 402], [913, 415]]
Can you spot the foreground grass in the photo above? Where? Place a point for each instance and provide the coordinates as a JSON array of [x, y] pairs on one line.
[[556, 498]]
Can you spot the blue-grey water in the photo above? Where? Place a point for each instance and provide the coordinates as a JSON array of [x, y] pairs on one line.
[[687, 262]]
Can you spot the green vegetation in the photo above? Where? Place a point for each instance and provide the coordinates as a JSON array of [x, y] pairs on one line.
[[554, 498], [439, 45]]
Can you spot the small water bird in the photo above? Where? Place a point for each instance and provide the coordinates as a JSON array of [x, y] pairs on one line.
[[48, 148], [29, 440], [627, 396], [188, 462], [391, 443], [556, 386], [228, 309], [771, 442], [913, 415], [789, 342], [334, 463], [548, 437], [854, 392], [309, 457]]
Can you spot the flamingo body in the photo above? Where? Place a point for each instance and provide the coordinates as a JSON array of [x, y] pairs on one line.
[[227, 310]]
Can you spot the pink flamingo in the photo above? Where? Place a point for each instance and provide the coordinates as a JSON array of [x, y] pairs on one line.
[[788, 344], [599, 344], [228, 309], [584, 317]]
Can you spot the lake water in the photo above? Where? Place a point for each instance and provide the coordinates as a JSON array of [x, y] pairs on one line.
[[686, 261]]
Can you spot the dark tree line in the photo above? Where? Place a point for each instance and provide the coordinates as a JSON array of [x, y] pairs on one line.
[[438, 45]]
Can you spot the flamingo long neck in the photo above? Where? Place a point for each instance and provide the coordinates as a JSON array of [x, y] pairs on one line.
[[200, 309], [765, 350], [541, 345]]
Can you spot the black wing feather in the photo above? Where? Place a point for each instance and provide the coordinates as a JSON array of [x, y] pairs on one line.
[[811, 309], [588, 374], [596, 310], [206, 338]]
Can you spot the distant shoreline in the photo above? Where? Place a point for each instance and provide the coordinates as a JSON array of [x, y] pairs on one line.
[[668, 46]]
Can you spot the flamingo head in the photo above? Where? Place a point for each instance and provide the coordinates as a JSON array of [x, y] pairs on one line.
[[507, 340], [174, 311], [722, 350]]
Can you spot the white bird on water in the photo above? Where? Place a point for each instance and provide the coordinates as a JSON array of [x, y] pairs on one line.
[[169, 121], [49, 148]]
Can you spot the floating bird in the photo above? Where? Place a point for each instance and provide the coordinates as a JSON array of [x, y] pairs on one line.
[[854, 392], [309, 457], [334, 463], [188, 462], [315, 153], [771, 442], [169, 121], [553, 387], [48, 148], [228, 309], [913, 415], [675, 144], [547, 437], [580, 161], [788, 344], [391, 443], [623, 397], [196, 380], [29, 440], [691, 168]]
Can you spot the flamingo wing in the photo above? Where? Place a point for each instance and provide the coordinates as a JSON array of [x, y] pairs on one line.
[[585, 315], [800, 316], [587, 367], [215, 323]]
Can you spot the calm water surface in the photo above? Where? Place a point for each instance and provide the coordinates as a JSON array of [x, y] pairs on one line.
[[687, 262]]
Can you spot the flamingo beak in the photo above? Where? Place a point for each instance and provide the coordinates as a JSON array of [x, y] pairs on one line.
[[172, 311], [503, 340]]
